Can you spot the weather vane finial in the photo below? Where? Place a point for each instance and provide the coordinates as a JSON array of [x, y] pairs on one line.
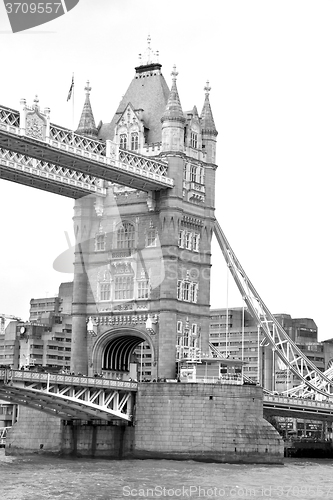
[[149, 56], [174, 73], [207, 88], [87, 88], [36, 101]]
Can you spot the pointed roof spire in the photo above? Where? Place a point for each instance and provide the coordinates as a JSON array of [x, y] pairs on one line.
[[207, 120], [87, 124], [173, 109]]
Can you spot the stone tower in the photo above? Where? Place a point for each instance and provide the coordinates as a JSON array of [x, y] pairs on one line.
[[142, 265]]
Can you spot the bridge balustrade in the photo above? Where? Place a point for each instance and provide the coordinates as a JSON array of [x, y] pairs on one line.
[[9, 116], [104, 152], [66, 136], [149, 165], [58, 379], [298, 402], [50, 171]]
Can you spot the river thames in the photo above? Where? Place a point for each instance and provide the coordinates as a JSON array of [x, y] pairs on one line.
[[40, 477]]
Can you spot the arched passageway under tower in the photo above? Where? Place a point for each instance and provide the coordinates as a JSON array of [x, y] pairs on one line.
[[113, 351]]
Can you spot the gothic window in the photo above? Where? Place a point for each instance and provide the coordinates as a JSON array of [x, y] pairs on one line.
[[126, 236], [200, 175], [194, 140], [104, 291], [187, 172], [181, 239], [151, 237], [193, 173], [123, 141], [188, 240], [104, 286], [193, 293], [187, 291], [143, 289], [124, 287], [195, 242], [134, 141], [179, 290], [100, 242]]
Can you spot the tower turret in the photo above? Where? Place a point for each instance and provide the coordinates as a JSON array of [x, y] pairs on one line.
[[208, 129], [87, 124], [147, 95], [173, 120]]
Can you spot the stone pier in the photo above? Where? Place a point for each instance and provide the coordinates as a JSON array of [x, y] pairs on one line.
[[206, 422]]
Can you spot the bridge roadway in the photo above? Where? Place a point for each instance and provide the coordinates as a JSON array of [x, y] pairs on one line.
[[75, 397], [69, 397], [73, 153], [310, 409]]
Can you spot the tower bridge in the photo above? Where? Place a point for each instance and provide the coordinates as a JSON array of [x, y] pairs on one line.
[[144, 190]]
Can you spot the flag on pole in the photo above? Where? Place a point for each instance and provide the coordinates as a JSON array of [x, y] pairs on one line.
[[71, 89]]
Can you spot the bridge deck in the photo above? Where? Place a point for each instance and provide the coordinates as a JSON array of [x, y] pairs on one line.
[[297, 407], [126, 168], [69, 397]]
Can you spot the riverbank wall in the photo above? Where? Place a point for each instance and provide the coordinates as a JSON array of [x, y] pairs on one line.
[[308, 449], [207, 422]]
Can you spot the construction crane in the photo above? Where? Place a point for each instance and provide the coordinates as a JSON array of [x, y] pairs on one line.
[[3, 318]]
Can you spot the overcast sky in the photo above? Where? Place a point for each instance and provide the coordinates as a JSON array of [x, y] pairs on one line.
[[269, 64]]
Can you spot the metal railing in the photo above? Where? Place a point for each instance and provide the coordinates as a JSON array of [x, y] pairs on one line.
[[70, 138], [44, 377]]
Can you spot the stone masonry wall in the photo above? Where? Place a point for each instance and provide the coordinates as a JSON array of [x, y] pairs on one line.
[[37, 432], [209, 422], [107, 441], [34, 432], [204, 422]]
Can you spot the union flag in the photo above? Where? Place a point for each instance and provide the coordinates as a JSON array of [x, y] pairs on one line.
[[71, 89]]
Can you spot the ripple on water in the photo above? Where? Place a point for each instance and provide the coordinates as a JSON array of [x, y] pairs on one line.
[[40, 477]]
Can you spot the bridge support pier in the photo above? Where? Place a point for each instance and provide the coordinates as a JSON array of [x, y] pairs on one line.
[[207, 422]]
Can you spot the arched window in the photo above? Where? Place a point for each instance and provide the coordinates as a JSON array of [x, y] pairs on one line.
[[194, 140], [124, 287], [151, 237], [104, 286], [100, 242], [126, 236], [123, 141], [193, 173], [134, 141]]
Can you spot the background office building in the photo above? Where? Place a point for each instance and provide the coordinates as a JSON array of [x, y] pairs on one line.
[[235, 334]]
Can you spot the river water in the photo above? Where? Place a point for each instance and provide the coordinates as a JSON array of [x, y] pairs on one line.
[[39, 477]]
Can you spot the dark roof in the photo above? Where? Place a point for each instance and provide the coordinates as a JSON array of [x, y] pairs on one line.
[[173, 110], [148, 91], [207, 120], [87, 124]]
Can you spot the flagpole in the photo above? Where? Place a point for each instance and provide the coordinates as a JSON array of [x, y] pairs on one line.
[[73, 105]]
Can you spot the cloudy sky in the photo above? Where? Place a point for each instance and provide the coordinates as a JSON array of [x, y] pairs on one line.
[[270, 68]]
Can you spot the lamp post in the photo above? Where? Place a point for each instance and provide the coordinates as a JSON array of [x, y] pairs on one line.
[[92, 332]]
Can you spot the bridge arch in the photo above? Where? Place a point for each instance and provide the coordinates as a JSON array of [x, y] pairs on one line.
[[114, 348]]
